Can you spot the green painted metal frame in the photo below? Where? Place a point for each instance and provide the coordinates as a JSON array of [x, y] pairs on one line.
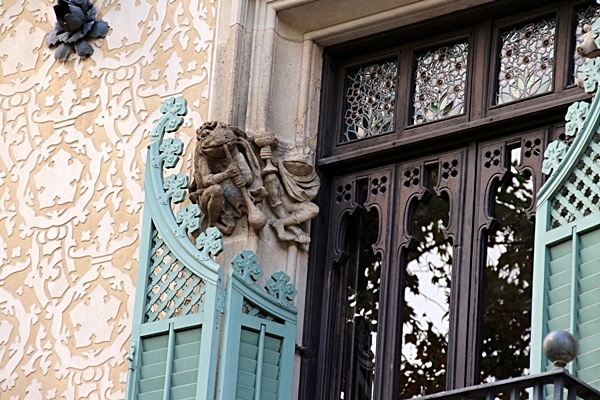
[[221, 317], [587, 127]]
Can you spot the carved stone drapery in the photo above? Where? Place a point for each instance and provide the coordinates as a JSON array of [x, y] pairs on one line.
[[236, 175]]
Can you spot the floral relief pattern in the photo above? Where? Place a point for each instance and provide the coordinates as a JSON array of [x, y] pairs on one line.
[[526, 61], [440, 80], [73, 138]]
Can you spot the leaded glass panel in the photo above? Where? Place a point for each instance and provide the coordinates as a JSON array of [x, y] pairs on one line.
[[585, 16], [440, 81], [526, 61], [370, 101]]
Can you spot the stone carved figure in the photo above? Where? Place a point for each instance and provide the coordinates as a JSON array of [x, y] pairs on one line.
[[227, 181], [230, 182], [588, 47], [291, 183]]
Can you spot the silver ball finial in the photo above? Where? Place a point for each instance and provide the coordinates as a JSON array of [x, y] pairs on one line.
[[560, 347]]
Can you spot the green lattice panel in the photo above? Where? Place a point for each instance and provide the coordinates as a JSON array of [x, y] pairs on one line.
[[580, 195], [173, 290]]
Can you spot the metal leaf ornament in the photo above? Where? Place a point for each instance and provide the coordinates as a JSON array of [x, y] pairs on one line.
[[75, 23]]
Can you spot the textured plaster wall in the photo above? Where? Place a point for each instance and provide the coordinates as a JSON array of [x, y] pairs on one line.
[[72, 153]]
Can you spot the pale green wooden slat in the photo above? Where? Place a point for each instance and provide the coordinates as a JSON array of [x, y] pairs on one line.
[[246, 378], [589, 358], [270, 371], [588, 313], [271, 357], [590, 239], [248, 336], [152, 370], [590, 255], [559, 279], [152, 384], [269, 385], [188, 336], [589, 298], [248, 351], [184, 378], [590, 282], [561, 323], [589, 374], [155, 343], [156, 395], [246, 364], [267, 396], [272, 343], [559, 265], [186, 364], [559, 309], [154, 356], [590, 326], [182, 392], [560, 250], [244, 392], [188, 349], [589, 343], [559, 294]]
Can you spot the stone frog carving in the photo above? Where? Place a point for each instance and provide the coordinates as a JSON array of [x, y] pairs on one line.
[[227, 182], [230, 180], [290, 192]]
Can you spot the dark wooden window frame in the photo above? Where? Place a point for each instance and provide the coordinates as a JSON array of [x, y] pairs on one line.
[[483, 124]]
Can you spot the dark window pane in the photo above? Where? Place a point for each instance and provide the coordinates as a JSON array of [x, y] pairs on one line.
[[508, 280], [526, 61], [370, 101], [426, 303], [361, 299], [440, 81]]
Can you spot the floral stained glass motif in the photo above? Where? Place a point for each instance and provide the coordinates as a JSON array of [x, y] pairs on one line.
[[527, 61], [440, 80], [585, 16], [370, 101]]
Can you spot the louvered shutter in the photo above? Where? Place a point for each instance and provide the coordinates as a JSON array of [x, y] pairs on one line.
[[169, 362], [178, 343], [257, 359], [566, 292]]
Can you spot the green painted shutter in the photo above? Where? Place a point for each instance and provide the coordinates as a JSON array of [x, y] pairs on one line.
[[566, 291], [257, 359], [169, 362], [186, 327]]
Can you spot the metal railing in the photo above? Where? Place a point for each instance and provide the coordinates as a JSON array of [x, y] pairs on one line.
[[557, 384]]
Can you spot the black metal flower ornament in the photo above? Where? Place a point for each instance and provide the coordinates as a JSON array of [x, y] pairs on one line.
[[75, 23]]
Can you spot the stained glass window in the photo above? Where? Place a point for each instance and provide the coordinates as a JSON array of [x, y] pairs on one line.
[[370, 101], [440, 80], [585, 16], [526, 61]]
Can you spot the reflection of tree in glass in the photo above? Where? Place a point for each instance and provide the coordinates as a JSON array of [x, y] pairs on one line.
[[362, 306], [426, 306], [507, 300]]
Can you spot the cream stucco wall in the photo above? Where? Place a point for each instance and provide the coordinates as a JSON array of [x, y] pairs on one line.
[[72, 153]]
